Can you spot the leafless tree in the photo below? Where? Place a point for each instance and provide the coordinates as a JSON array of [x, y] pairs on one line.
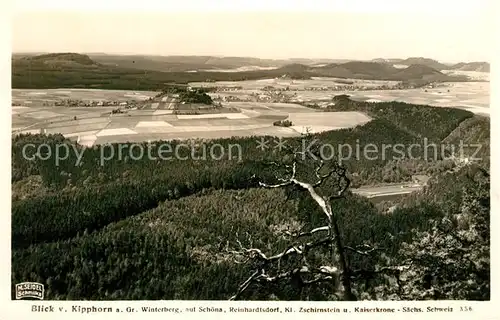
[[338, 273]]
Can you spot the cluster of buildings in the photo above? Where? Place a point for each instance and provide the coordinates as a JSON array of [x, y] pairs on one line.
[[228, 89], [233, 99], [100, 103], [275, 96]]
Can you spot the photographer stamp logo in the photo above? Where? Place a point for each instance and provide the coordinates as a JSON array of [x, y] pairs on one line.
[[32, 290]]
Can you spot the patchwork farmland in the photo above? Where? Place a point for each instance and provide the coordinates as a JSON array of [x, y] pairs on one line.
[[153, 120], [473, 95], [149, 116]]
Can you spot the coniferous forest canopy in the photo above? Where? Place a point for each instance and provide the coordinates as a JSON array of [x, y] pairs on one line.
[[198, 229], [94, 232]]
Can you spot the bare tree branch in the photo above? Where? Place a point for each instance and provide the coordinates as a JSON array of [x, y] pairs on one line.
[[244, 286], [365, 252], [254, 253], [313, 231], [303, 270], [285, 182], [324, 273], [318, 279], [322, 178], [342, 173], [390, 269]]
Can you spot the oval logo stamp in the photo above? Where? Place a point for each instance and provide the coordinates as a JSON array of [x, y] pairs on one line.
[[32, 290]]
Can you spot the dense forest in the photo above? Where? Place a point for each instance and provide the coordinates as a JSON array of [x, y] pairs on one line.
[[143, 229], [71, 70]]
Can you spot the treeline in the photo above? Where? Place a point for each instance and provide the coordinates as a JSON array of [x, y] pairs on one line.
[[474, 134], [173, 245], [40, 75], [64, 214], [79, 71], [99, 193], [433, 123], [182, 249], [195, 96], [394, 124]]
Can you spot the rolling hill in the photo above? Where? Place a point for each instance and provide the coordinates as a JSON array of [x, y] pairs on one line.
[[431, 63], [358, 69], [419, 71], [55, 59], [381, 71], [390, 61], [479, 66], [75, 70], [472, 66], [474, 134], [182, 63], [179, 63]]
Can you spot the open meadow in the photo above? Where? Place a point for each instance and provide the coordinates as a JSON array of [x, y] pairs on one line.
[[295, 84], [43, 95], [156, 120], [33, 111], [473, 95]]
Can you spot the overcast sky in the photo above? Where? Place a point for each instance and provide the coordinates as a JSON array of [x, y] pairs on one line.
[[449, 31]]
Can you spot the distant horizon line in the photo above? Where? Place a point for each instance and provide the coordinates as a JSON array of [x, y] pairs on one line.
[[241, 56]]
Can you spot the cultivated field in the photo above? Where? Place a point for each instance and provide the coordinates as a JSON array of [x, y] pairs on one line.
[[153, 120], [32, 96], [314, 82], [164, 118], [473, 75], [326, 121], [473, 96], [240, 69]]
